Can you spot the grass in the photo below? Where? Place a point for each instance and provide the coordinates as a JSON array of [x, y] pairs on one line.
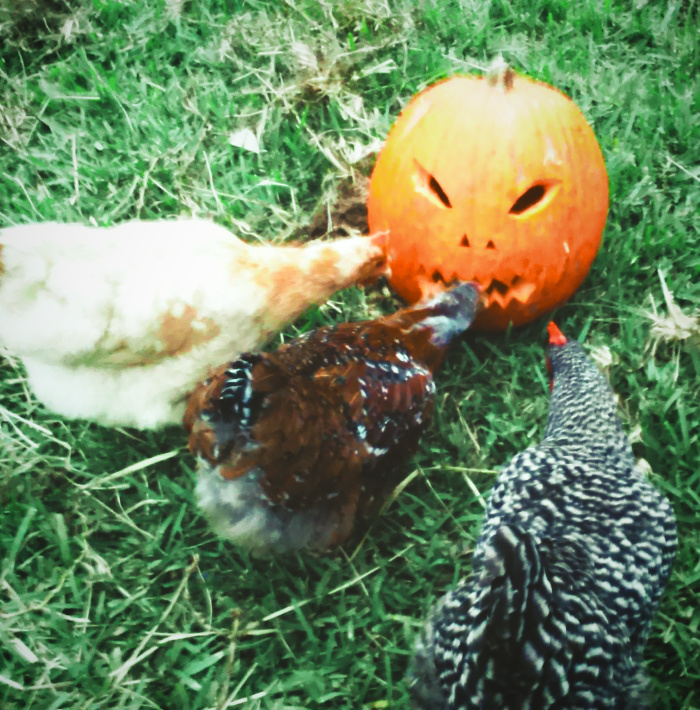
[[113, 593]]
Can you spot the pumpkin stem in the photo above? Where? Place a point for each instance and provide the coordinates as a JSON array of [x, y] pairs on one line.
[[500, 74]]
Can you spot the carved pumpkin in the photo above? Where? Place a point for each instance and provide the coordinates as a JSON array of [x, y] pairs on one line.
[[498, 179]]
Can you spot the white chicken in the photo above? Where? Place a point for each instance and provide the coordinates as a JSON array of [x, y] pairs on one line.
[[118, 324]]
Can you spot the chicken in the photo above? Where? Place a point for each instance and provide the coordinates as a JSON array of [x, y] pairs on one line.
[[573, 556], [119, 324], [296, 445]]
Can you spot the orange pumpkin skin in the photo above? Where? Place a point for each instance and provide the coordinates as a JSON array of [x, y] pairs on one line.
[[501, 181]]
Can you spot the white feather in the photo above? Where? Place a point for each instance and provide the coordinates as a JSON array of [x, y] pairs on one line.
[[118, 324]]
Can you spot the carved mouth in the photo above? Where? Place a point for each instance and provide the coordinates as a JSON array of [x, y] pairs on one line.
[[495, 290], [502, 293]]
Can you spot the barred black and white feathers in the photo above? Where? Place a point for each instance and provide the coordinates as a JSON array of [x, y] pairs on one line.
[[573, 556]]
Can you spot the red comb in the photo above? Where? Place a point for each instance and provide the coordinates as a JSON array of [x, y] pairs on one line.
[[556, 337]]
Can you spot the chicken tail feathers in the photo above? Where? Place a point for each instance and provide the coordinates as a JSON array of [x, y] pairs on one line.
[[519, 598], [512, 636], [236, 393], [222, 407]]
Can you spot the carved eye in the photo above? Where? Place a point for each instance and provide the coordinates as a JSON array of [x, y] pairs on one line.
[[434, 185], [534, 198], [428, 185]]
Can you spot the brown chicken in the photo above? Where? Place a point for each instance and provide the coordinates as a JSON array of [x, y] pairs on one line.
[[118, 324], [295, 445]]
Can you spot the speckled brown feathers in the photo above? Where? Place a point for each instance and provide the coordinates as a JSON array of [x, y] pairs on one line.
[[315, 432]]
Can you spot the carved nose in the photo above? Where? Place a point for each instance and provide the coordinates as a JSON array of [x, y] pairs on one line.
[[464, 242]]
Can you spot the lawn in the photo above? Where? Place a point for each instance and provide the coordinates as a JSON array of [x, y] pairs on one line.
[[113, 591]]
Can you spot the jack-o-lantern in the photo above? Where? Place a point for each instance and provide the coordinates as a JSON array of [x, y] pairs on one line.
[[498, 179]]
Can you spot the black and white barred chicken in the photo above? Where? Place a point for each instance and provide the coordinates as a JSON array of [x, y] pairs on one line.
[[571, 562]]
